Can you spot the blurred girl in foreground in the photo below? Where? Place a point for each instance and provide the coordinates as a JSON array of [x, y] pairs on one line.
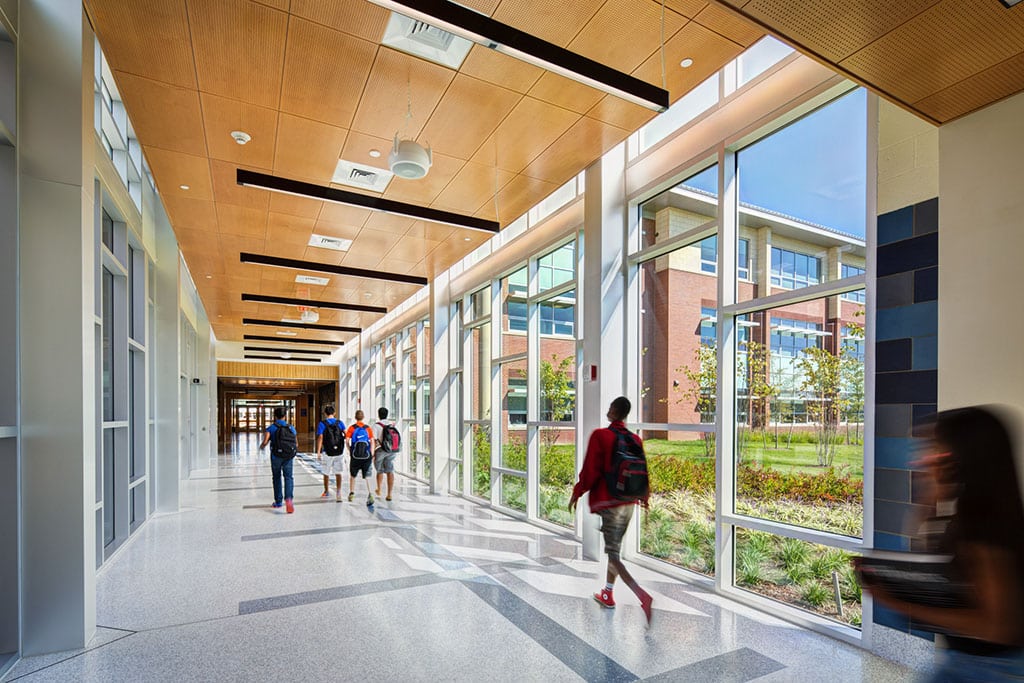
[[979, 521]]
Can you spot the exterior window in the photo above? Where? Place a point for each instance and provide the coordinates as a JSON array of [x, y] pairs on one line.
[[708, 324], [792, 270], [515, 401], [517, 316], [556, 318], [851, 271], [709, 256]]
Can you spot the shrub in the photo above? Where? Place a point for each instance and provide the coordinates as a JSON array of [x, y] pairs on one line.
[[749, 571], [794, 553], [814, 594], [829, 486], [761, 542], [849, 586], [558, 465], [670, 473]]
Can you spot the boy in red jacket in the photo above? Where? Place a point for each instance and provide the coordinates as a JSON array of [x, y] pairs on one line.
[[615, 514]]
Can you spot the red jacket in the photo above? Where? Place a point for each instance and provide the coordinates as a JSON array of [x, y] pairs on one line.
[[595, 464]]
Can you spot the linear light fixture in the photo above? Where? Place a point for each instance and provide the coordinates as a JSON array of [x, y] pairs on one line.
[[294, 340], [270, 349], [278, 262], [260, 298], [253, 356], [510, 41], [1008, 3], [363, 201], [302, 326]]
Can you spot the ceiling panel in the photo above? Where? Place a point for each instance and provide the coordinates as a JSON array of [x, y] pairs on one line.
[[729, 25], [164, 115], [226, 189], [176, 169], [478, 106], [425, 190], [307, 149], [562, 92], [295, 206], [530, 128], [494, 67], [472, 186], [185, 212], [555, 22], [222, 116], [687, 8], [357, 17], [582, 144], [992, 84], [166, 54], [515, 198], [624, 33], [324, 72], [241, 220], [239, 49]]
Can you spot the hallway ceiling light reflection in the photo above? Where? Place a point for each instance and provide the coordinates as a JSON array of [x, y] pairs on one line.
[[288, 301], [300, 325], [261, 337]]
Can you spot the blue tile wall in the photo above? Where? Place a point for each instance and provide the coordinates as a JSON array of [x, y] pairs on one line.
[[906, 372]]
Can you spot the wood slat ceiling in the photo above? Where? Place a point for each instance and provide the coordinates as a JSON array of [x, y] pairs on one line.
[[310, 81], [939, 58]]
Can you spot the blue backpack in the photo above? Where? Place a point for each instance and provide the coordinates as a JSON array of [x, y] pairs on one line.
[[360, 448]]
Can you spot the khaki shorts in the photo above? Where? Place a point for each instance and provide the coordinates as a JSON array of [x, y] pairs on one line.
[[613, 525], [333, 464]]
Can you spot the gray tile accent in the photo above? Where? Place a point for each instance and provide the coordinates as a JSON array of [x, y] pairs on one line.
[[309, 532], [893, 419], [892, 484], [895, 290], [590, 664], [737, 666], [337, 593]]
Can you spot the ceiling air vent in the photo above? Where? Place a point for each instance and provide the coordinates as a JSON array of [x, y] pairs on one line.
[[426, 41], [325, 242], [363, 177]]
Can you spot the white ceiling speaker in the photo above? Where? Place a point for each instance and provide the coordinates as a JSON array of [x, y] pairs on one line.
[[409, 160], [309, 315]]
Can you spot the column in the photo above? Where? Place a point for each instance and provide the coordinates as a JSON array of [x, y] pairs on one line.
[[441, 404], [58, 321], [604, 310]]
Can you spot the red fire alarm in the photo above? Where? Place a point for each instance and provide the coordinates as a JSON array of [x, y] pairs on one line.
[[592, 373]]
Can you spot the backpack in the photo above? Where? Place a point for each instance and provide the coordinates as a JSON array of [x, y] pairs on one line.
[[390, 438], [627, 478], [283, 443], [334, 440], [360, 448]]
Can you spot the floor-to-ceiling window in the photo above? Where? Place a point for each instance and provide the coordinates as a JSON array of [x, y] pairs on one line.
[[476, 392], [752, 364]]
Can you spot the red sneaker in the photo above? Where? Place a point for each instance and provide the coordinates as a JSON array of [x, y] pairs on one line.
[[645, 604], [605, 598], [324, 494], [288, 505]]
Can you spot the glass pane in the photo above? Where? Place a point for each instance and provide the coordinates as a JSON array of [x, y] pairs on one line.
[[679, 526], [480, 443], [456, 482], [799, 573], [410, 352], [558, 267], [687, 108], [557, 473], [513, 333], [428, 349], [131, 415], [480, 304], [759, 58], [108, 345], [513, 492], [132, 287], [689, 204], [677, 340], [513, 415], [478, 372], [107, 231], [803, 193], [558, 316], [109, 495], [800, 415]]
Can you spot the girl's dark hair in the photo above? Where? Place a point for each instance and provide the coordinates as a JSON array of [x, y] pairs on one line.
[[989, 507]]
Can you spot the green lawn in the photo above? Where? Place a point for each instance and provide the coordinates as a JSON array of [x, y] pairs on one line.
[[799, 457]]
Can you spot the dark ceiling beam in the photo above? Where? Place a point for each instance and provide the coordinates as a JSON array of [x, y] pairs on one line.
[[298, 264], [291, 340], [301, 326], [271, 349], [336, 305]]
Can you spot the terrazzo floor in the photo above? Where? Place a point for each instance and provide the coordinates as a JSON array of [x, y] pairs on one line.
[[425, 588]]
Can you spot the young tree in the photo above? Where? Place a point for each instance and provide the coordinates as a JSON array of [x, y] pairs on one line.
[[557, 395], [821, 383], [760, 390], [701, 389]]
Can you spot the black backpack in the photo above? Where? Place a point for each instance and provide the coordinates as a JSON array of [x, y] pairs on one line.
[[284, 445], [334, 440], [627, 477], [390, 438]]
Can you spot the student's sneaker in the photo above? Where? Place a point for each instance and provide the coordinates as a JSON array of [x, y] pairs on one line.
[[338, 497], [369, 499], [388, 499], [288, 506], [378, 493], [351, 496], [277, 505], [605, 598], [645, 604], [325, 494]]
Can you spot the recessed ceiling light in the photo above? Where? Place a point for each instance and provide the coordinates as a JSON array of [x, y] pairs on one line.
[[466, 239], [686, 63], [311, 280], [286, 355], [185, 187], [287, 333], [368, 295], [209, 277], [240, 136], [220, 316], [292, 320], [375, 153]]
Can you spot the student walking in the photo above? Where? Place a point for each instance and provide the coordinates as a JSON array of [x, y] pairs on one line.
[[330, 447], [360, 451], [284, 447], [615, 475], [388, 441]]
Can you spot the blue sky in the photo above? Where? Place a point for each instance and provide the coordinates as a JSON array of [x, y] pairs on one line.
[[814, 169]]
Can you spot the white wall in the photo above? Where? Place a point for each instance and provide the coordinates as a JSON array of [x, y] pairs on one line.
[[981, 240]]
